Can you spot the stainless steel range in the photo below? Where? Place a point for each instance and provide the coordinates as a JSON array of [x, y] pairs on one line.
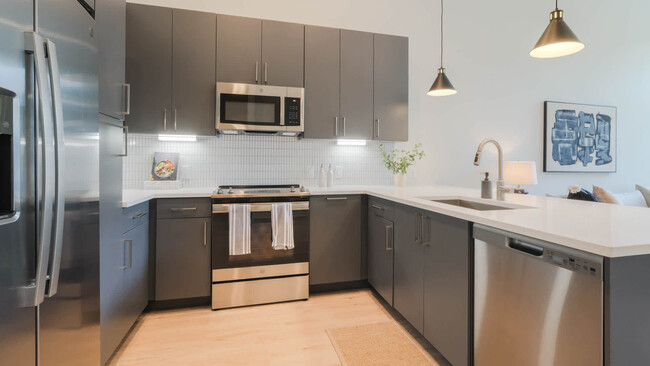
[[264, 274]]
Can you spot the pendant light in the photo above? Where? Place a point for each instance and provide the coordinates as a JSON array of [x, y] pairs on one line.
[[441, 86], [558, 39]]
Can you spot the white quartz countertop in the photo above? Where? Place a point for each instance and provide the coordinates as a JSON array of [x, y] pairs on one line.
[[599, 228]]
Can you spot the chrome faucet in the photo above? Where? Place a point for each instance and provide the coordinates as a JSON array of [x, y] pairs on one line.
[[501, 188]]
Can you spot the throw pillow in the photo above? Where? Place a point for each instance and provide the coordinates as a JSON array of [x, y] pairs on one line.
[[581, 194], [646, 193], [634, 198]]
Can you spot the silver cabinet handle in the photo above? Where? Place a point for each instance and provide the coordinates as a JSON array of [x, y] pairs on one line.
[[266, 73], [257, 72], [127, 243], [343, 126], [184, 209], [165, 120], [175, 118], [377, 135], [377, 207], [389, 238], [418, 230], [35, 45], [424, 230], [336, 126], [127, 102], [141, 214], [59, 157], [125, 137], [205, 233], [336, 198]]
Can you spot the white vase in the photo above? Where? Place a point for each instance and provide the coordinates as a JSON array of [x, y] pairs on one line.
[[400, 180]]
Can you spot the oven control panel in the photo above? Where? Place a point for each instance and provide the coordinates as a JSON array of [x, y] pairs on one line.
[[292, 111]]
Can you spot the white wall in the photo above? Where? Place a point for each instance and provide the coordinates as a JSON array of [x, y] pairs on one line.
[[501, 88]]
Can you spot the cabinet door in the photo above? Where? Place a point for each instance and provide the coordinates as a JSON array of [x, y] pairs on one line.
[[148, 68], [111, 42], [335, 239], [322, 85], [446, 287], [183, 258], [283, 53], [356, 109], [380, 256], [408, 266], [193, 72], [391, 88], [136, 279], [239, 49]]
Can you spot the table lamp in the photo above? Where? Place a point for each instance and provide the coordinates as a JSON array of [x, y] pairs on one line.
[[520, 173]]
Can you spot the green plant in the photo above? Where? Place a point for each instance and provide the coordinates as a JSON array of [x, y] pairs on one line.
[[398, 161]]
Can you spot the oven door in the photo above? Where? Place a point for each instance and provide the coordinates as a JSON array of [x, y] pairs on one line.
[[250, 107], [262, 252]]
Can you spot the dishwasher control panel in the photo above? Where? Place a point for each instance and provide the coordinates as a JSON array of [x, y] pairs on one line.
[[573, 263]]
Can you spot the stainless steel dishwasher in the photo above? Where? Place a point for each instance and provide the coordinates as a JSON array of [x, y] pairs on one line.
[[535, 303]]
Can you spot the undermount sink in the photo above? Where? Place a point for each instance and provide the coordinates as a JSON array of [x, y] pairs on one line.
[[474, 205]]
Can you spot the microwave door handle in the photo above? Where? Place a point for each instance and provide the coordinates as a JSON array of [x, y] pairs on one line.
[[36, 46], [59, 154]]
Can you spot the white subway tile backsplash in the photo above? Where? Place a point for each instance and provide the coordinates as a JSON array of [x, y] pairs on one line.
[[241, 159]]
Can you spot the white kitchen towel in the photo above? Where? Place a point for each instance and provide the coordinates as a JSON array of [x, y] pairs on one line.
[[282, 226], [240, 229]]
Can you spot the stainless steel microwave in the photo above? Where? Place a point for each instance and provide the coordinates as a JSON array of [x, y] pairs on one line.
[[251, 108]]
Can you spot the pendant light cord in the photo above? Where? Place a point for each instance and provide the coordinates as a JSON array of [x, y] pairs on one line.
[[442, 10]]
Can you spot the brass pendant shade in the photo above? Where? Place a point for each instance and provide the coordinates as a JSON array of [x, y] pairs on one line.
[[557, 40], [441, 86]]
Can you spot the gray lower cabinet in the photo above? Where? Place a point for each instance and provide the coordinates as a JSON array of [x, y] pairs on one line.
[[148, 67], [183, 262], [380, 251], [111, 42], [356, 109], [170, 56], [255, 51], [124, 277], [322, 85], [391, 83], [447, 259], [335, 239], [408, 268]]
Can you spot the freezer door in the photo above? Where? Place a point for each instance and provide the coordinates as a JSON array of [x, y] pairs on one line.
[[17, 191], [69, 317]]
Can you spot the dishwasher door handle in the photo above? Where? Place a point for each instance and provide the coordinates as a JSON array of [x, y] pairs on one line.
[[526, 248]]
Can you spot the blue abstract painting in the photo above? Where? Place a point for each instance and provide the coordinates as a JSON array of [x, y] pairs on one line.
[[579, 138]]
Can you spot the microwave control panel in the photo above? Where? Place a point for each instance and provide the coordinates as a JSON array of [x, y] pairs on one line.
[[292, 111]]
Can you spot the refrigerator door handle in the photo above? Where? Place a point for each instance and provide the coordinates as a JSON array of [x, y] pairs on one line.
[[36, 45], [59, 199]]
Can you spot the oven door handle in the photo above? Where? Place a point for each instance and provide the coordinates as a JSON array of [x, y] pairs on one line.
[[218, 208]]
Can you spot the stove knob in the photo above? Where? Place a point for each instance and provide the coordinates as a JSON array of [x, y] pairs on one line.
[[219, 191], [230, 191], [293, 189], [302, 189]]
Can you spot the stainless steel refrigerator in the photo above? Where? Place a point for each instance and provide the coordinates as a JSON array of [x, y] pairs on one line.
[[49, 211]]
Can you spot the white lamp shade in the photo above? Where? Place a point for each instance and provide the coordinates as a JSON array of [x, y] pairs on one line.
[[521, 173]]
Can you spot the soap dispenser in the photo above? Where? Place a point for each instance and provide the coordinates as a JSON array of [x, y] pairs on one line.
[[486, 186], [322, 177], [330, 176]]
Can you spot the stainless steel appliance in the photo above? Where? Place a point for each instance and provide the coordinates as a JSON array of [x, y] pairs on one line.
[[265, 109], [265, 275], [535, 303], [49, 230]]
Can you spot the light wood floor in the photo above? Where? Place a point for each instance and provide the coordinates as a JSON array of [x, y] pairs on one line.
[[290, 333]]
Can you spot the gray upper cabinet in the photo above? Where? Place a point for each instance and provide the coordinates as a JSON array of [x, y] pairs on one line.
[[239, 49], [283, 53], [111, 40], [447, 287], [356, 78], [391, 88], [170, 67], [380, 252], [193, 72], [409, 266], [335, 239], [148, 68], [322, 87]]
